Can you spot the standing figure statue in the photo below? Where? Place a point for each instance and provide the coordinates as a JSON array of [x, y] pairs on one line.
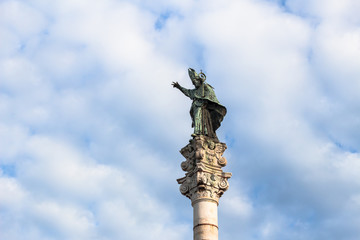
[[206, 111]]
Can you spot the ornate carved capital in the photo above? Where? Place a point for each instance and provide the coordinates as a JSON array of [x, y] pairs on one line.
[[204, 178]]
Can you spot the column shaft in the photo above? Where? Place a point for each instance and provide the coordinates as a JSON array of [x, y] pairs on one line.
[[205, 220]]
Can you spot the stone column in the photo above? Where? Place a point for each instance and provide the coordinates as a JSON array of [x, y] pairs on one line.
[[204, 183]]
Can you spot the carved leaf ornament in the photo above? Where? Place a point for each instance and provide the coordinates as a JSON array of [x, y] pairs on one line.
[[204, 177]]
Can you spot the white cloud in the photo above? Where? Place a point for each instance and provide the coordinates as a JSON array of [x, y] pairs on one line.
[[92, 127], [237, 205], [11, 193], [20, 18], [70, 196]]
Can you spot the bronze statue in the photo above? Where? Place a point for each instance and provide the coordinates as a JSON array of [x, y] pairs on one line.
[[206, 111]]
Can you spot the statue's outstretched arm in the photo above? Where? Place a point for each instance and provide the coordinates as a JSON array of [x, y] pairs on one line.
[[186, 92]]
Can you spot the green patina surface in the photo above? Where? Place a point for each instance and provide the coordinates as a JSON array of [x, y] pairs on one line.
[[206, 111]]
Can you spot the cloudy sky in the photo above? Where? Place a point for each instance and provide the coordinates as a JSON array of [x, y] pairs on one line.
[[90, 127]]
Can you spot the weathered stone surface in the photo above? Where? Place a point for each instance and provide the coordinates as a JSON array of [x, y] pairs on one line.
[[204, 178], [204, 183]]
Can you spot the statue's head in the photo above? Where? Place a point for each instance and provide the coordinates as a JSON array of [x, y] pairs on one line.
[[197, 79]]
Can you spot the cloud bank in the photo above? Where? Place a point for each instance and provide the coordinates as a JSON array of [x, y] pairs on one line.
[[91, 127]]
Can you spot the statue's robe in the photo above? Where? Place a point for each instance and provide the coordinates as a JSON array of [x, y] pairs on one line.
[[206, 111]]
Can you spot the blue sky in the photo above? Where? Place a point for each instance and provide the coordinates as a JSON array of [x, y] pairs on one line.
[[91, 128]]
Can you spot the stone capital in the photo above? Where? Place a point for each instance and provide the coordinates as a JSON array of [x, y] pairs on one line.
[[204, 179]]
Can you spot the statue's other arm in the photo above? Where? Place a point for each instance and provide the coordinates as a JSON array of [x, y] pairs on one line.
[[186, 92]]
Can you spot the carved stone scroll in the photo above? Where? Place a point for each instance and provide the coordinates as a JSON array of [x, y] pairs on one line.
[[204, 178]]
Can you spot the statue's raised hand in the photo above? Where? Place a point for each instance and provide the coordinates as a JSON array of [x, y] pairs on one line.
[[175, 84]]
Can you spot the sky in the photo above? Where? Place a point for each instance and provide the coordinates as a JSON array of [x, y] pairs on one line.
[[91, 128]]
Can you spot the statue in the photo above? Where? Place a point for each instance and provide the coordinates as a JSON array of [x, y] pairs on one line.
[[206, 111]]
